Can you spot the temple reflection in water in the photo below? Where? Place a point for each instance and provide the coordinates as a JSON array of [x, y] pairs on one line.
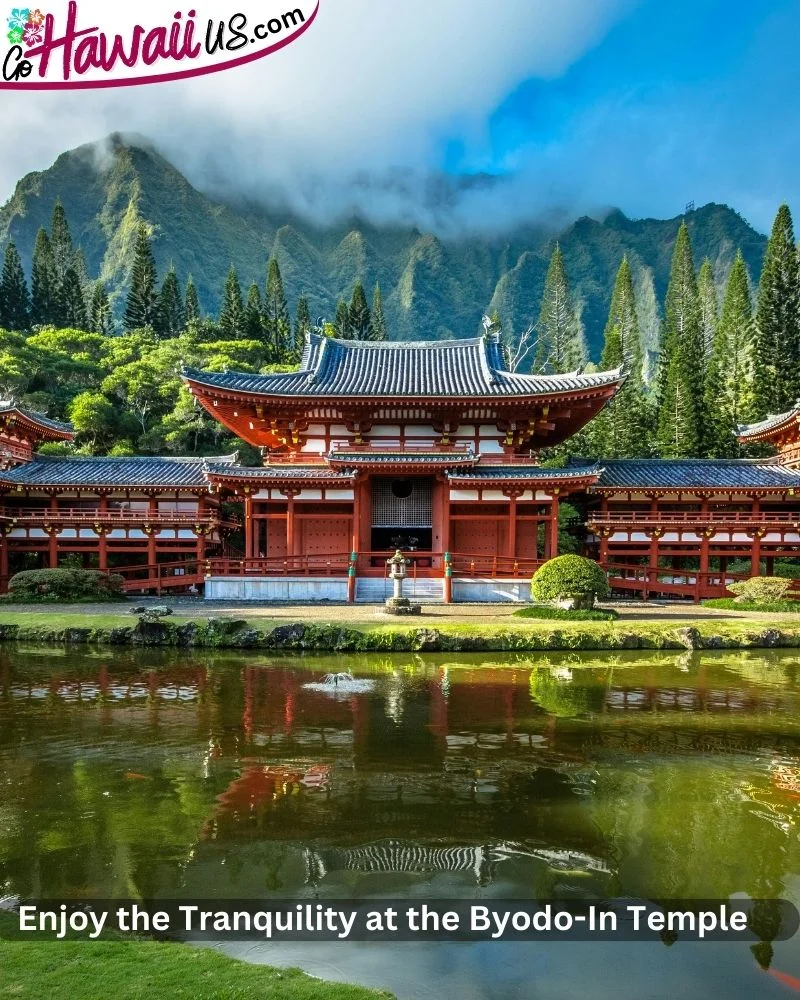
[[222, 776]]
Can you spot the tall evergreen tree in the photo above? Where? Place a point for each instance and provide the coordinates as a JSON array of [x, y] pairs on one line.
[[622, 429], [277, 322], [777, 328], [14, 298], [171, 313], [709, 305], [360, 316], [231, 317], [101, 318], [61, 242], [341, 323], [729, 381], [253, 320], [302, 326], [681, 403], [45, 306], [561, 343], [73, 303], [142, 305], [379, 331], [192, 305]]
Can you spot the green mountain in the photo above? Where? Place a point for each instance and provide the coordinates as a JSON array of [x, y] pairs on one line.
[[434, 287]]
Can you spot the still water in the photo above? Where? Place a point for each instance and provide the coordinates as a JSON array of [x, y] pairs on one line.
[[159, 775]]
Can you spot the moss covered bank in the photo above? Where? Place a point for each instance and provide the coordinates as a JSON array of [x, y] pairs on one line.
[[521, 635]]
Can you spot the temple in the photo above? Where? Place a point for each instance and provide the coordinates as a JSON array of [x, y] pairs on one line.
[[432, 448]]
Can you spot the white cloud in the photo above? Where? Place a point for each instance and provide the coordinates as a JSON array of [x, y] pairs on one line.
[[374, 86]]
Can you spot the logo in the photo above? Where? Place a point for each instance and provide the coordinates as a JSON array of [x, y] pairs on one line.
[[94, 44]]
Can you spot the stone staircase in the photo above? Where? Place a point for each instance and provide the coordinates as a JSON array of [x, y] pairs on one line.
[[375, 591]]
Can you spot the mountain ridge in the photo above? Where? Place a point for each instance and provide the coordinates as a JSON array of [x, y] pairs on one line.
[[433, 286]]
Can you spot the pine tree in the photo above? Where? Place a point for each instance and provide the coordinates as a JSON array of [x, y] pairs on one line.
[[171, 314], [729, 381], [253, 319], [341, 323], [14, 299], [192, 306], [561, 342], [61, 242], [101, 319], [302, 326], [647, 311], [360, 316], [709, 306], [45, 306], [73, 303], [681, 408], [231, 317], [142, 306], [777, 327], [379, 331], [277, 322], [622, 429]]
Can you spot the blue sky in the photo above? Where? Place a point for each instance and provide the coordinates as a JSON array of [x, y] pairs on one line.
[[680, 100]]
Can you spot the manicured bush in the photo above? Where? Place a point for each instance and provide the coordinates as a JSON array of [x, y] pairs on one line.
[[762, 589], [64, 585], [571, 581], [559, 614], [764, 607]]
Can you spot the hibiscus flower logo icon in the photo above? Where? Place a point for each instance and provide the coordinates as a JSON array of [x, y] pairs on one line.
[[33, 34], [20, 16], [36, 18]]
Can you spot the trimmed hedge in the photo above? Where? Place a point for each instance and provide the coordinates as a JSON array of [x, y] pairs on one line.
[[64, 585], [765, 607], [761, 589], [558, 614], [569, 576]]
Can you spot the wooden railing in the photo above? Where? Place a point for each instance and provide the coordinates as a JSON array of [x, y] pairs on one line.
[[179, 575], [693, 517], [337, 564], [666, 582], [493, 566], [83, 515]]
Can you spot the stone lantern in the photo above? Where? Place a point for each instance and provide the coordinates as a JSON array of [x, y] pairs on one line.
[[398, 572]]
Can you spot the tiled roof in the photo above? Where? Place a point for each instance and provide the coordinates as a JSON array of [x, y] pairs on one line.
[[134, 471], [747, 431], [530, 473], [694, 473], [465, 368], [276, 472], [36, 418]]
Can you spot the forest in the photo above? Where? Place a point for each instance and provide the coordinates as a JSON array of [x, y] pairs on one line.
[[725, 356]]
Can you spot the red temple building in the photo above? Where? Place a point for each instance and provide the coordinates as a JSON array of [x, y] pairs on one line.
[[369, 447]]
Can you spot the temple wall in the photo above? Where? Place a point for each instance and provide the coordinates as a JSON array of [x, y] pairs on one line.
[[280, 589]]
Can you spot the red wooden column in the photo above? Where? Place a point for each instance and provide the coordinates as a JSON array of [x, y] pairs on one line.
[[152, 557], [447, 543], [755, 566], [201, 534], [553, 547], [652, 564], [53, 540], [290, 526], [511, 541], [248, 527], [3, 557], [102, 548]]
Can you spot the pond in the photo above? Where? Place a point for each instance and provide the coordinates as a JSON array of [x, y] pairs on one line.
[[157, 775]]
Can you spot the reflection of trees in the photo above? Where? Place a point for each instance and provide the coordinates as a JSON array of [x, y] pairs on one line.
[[563, 694]]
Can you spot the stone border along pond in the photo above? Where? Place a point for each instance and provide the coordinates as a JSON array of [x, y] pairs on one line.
[[232, 633]]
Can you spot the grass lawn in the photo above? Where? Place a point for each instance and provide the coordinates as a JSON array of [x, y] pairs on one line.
[[495, 630], [148, 970]]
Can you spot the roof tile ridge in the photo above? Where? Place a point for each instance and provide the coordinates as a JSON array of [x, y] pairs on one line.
[[324, 350]]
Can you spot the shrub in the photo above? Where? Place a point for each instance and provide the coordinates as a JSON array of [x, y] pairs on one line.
[[559, 614], [763, 589], [570, 578], [765, 607], [64, 585]]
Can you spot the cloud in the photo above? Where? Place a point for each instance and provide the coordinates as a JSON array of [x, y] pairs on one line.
[[353, 116]]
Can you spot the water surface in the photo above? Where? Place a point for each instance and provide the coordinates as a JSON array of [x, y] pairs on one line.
[[157, 775]]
